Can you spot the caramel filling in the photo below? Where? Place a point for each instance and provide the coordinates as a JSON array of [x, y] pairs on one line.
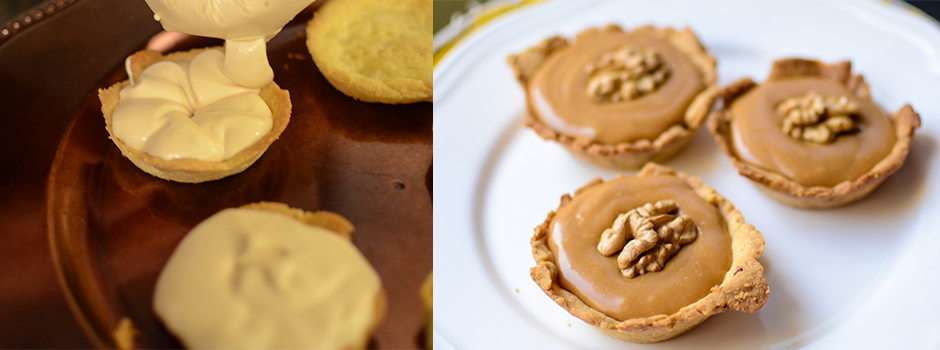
[[598, 280], [757, 137], [556, 91]]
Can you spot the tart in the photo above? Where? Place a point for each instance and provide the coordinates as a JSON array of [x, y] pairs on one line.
[[618, 98], [810, 136], [375, 50], [269, 276], [427, 295], [689, 255], [190, 170]]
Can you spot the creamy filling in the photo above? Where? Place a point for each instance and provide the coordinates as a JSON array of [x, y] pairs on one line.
[[226, 19], [597, 279], [246, 62], [248, 278], [757, 137], [556, 91], [191, 110], [223, 113]]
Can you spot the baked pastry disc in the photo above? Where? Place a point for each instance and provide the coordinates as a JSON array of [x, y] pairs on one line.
[[743, 287], [634, 153], [193, 170], [786, 190], [375, 50]]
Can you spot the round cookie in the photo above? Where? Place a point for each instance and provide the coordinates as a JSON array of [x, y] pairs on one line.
[[269, 276], [375, 50]]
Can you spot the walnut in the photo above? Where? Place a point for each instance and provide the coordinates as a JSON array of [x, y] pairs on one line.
[[657, 232], [625, 74], [817, 118]]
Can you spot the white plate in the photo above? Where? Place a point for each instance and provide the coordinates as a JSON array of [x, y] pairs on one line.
[[860, 276]]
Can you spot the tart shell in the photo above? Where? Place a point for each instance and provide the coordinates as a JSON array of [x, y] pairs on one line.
[[325, 219], [193, 170], [427, 296], [631, 154], [743, 287], [782, 188]]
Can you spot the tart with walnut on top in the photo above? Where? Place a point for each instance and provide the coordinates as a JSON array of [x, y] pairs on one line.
[[618, 98], [647, 258], [810, 136]]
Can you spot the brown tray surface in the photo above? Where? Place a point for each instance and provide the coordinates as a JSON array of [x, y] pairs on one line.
[[114, 226]]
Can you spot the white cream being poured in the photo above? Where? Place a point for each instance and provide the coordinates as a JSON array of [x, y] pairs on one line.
[[207, 109]]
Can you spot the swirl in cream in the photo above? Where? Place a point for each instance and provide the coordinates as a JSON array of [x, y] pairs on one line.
[[208, 109]]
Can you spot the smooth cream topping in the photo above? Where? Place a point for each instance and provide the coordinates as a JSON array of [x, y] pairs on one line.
[[247, 278]]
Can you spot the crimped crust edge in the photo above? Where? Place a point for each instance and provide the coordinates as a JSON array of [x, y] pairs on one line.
[[632, 154], [743, 287], [787, 191]]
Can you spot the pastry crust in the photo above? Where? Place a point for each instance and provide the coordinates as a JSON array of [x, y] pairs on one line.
[[427, 296], [743, 287], [630, 154], [325, 219], [375, 50], [193, 170], [784, 189]]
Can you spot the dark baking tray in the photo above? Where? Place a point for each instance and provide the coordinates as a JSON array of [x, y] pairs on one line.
[[65, 185]]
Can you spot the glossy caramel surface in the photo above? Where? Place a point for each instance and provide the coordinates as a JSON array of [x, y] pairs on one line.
[[556, 92], [758, 139], [597, 280]]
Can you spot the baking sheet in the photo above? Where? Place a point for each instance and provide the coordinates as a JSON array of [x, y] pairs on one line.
[[113, 227]]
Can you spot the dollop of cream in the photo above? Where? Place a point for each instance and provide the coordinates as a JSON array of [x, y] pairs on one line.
[[248, 278]]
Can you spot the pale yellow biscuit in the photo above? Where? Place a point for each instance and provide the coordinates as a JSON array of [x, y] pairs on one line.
[[375, 50]]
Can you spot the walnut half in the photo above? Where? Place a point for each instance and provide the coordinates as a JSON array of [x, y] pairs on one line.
[[817, 118], [625, 74], [657, 232]]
